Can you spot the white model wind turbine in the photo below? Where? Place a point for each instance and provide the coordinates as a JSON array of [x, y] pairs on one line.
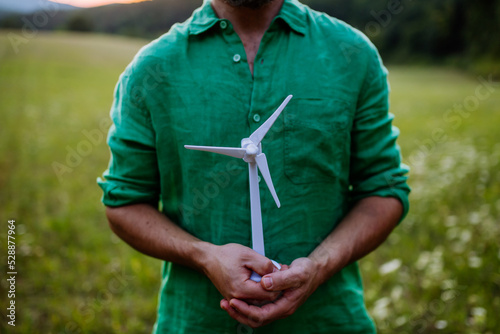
[[251, 152]]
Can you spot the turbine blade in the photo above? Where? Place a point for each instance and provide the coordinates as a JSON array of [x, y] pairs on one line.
[[236, 152], [259, 134], [261, 161]]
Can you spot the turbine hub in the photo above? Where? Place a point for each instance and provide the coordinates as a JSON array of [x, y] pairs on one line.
[[252, 149]]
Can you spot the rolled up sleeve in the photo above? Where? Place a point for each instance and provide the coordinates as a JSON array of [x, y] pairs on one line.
[[376, 168], [132, 175]]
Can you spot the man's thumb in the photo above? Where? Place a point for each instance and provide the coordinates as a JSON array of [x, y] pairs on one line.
[[262, 265], [281, 280]]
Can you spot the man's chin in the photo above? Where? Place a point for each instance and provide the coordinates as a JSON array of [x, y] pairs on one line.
[[253, 4]]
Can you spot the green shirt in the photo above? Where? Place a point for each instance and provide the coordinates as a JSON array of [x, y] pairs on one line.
[[332, 146]]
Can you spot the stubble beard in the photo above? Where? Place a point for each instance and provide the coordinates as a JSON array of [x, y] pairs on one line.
[[253, 4]]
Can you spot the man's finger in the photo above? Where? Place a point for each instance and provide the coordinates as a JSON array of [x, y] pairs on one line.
[[253, 290], [282, 280], [257, 316], [224, 304], [284, 267], [233, 313], [260, 264]]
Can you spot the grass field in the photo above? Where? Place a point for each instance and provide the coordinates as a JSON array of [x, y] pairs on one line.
[[438, 272]]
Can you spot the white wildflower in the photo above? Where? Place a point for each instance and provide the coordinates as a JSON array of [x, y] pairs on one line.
[[478, 311], [452, 233], [474, 218], [478, 316], [451, 221], [449, 295], [389, 267], [396, 292], [448, 284], [447, 163], [381, 311], [441, 324], [423, 260], [475, 261], [465, 236], [400, 321]]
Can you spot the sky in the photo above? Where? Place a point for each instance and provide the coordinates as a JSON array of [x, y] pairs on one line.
[[93, 3]]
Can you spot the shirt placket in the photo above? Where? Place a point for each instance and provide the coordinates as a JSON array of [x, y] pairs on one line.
[[235, 54], [266, 73], [257, 113]]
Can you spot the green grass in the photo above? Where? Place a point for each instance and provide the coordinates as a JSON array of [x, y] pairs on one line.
[[445, 254], [73, 273], [439, 268]]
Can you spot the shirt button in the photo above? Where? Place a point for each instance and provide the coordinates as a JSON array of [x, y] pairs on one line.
[[223, 24], [256, 118], [236, 58]]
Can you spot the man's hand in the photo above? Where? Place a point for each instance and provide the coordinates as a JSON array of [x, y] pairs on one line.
[[229, 268], [297, 281], [365, 227]]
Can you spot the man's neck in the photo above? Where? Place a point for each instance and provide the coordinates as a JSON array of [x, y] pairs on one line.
[[250, 24], [248, 21]]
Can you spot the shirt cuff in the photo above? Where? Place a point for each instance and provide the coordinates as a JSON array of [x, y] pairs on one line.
[[115, 195], [388, 184]]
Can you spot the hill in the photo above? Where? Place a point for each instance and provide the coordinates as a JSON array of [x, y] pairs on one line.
[[30, 6], [147, 19]]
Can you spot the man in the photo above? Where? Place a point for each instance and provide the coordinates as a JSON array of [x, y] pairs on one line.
[[332, 153]]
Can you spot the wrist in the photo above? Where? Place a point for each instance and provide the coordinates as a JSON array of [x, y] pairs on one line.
[[327, 262], [320, 267], [204, 255]]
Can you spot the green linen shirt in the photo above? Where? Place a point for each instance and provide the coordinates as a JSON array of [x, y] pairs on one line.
[[333, 145]]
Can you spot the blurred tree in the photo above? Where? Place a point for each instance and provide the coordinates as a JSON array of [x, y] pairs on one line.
[[483, 27], [434, 29], [80, 22], [11, 22]]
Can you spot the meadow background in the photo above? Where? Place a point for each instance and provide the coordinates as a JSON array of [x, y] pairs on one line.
[[437, 273]]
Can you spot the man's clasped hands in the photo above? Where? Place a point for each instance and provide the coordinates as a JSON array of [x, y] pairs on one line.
[[277, 296]]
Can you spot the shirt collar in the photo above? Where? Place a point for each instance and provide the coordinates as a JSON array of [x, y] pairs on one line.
[[292, 13], [203, 19]]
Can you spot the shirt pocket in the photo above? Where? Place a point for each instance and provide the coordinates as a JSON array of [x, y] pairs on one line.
[[317, 140]]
